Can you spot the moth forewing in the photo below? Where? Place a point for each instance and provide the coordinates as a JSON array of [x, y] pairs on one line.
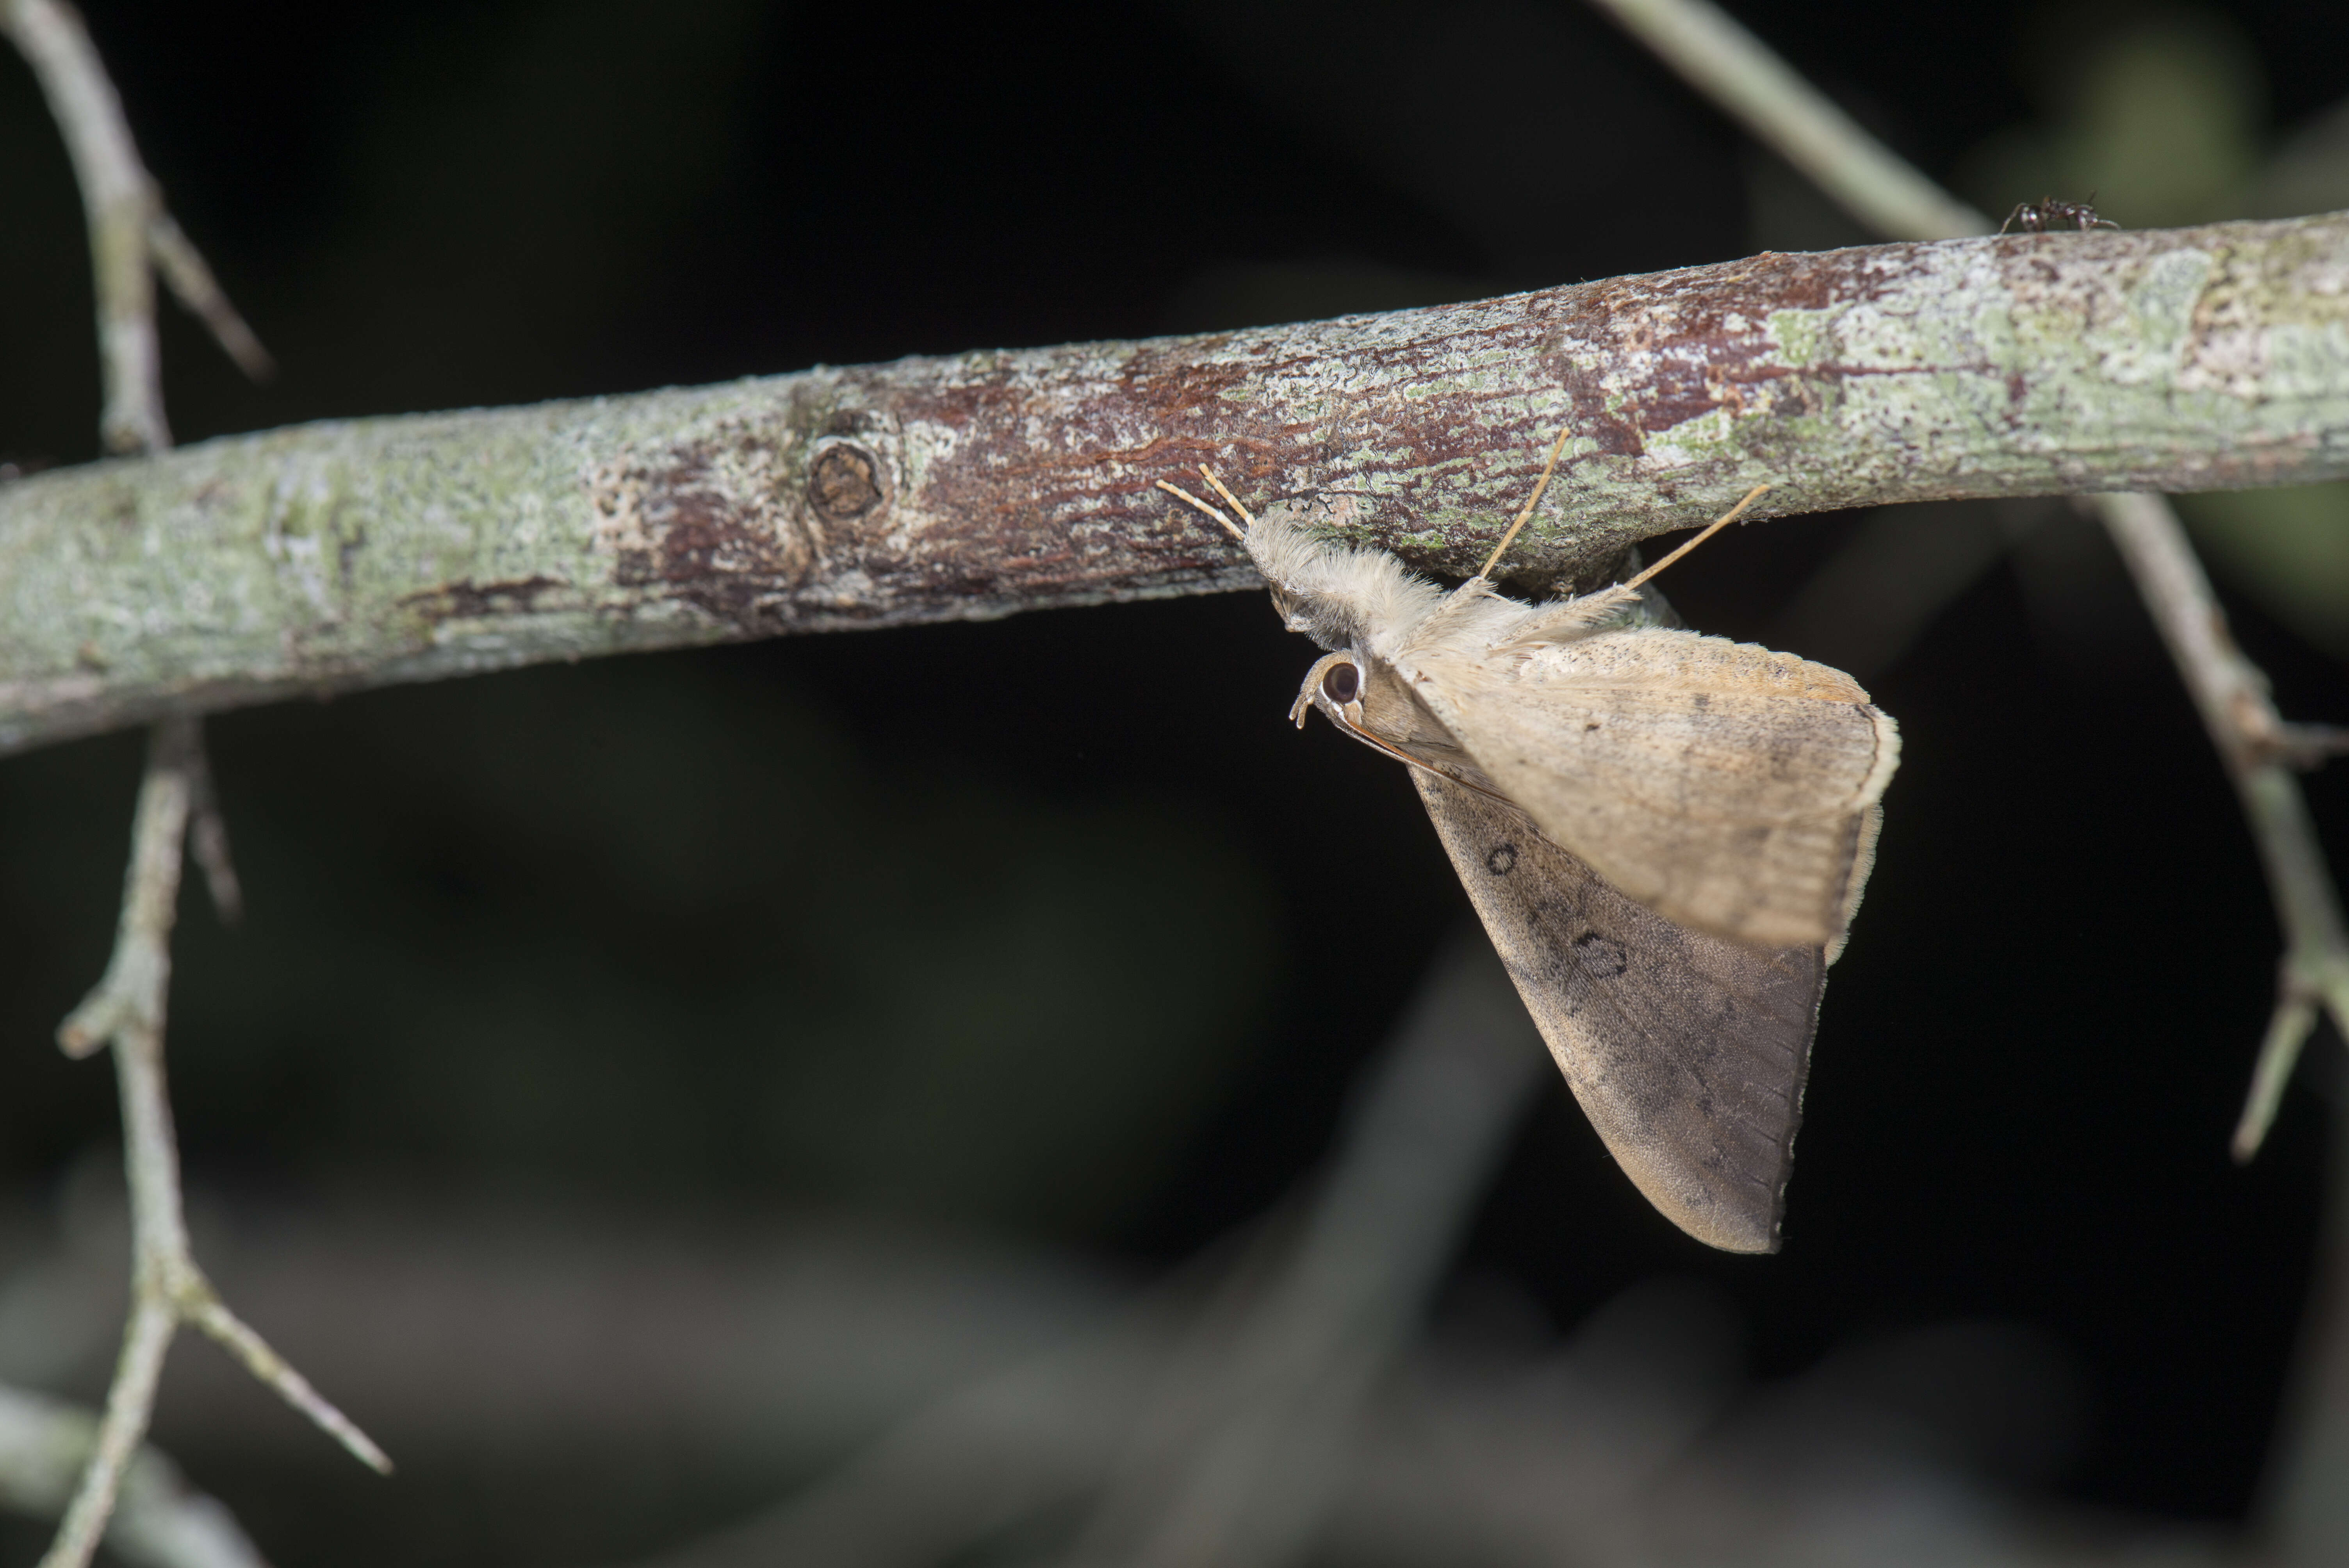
[[1871, 823], [1726, 787]]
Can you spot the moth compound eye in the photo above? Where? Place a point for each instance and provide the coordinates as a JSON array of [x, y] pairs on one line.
[[1342, 684]]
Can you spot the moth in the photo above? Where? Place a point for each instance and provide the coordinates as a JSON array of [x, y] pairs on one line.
[[1665, 834]]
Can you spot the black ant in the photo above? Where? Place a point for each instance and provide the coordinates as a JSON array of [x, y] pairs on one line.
[[2038, 217]]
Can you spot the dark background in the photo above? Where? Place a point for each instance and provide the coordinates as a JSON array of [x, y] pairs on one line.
[[1052, 928]]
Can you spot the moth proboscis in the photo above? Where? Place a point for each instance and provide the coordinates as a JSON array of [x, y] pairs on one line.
[[1665, 834]]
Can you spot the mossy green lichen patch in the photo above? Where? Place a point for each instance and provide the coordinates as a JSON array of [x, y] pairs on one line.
[[1803, 338]]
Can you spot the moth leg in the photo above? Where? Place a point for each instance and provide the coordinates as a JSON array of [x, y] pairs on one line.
[[1715, 526], [1210, 475], [1484, 572], [1229, 526]]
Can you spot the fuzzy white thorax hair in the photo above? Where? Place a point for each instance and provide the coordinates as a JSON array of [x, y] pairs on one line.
[[1340, 595], [1347, 596]]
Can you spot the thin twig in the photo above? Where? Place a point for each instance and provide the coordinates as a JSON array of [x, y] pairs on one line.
[[127, 1010], [2259, 751], [128, 228], [160, 1521], [202, 1306], [1740, 74], [128, 1402], [1249, 1436], [119, 201]]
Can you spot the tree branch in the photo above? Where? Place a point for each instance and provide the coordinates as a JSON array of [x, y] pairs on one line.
[[369, 552]]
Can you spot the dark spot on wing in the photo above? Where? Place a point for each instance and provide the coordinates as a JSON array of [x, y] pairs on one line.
[[1502, 861], [1601, 959]]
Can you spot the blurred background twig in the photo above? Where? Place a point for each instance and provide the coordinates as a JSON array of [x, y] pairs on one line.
[[160, 1521]]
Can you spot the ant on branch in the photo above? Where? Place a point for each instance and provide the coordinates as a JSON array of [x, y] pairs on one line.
[[2038, 217]]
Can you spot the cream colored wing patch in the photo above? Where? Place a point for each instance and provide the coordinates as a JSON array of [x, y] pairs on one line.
[[1728, 788], [1687, 1052]]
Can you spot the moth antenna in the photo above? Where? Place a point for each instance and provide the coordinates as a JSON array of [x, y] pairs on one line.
[[1715, 526], [1531, 501], [1229, 526], [1245, 515]]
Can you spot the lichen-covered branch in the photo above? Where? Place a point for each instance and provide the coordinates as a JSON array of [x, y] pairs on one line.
[[376, 551]]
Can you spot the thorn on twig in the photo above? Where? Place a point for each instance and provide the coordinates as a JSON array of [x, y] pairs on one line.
[[2264, 735], [191, 280], [201, 1304], [2308, 980], [208, 837], [101, 1015], [2304, 748], [2288, 1030]]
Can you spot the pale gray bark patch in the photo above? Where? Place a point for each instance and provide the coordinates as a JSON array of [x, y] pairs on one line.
[[369, 552]]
